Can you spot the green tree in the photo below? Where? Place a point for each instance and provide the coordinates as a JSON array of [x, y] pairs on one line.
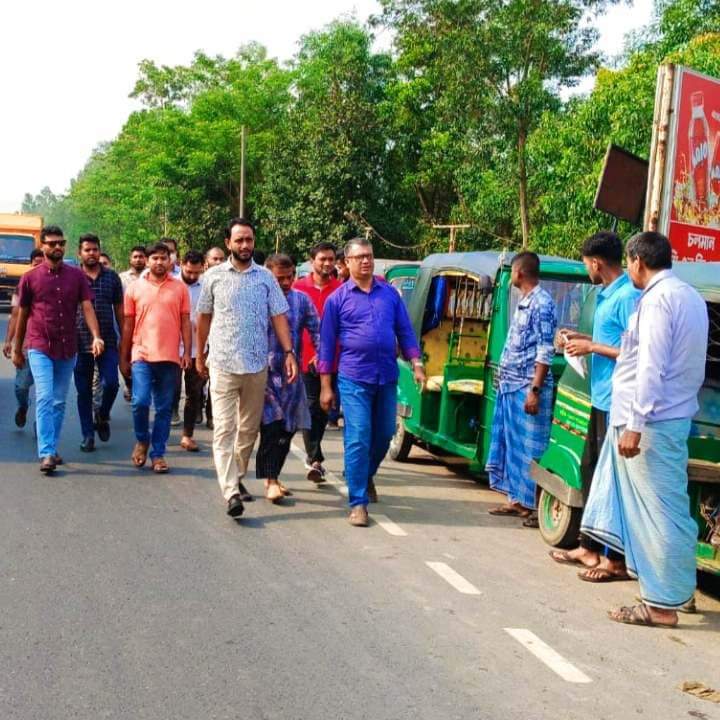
[[491, 68], [330, 157]]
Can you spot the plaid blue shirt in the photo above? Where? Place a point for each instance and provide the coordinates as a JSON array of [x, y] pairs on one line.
[[530, 340], [107, 288]]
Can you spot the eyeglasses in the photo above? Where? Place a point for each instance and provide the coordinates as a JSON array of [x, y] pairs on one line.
[[359, 258], [55, 243]]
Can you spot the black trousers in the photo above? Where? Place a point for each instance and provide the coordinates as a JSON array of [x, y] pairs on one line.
[[312, 438], [194, 384], [178, 390], [273, 450], [598, 431]]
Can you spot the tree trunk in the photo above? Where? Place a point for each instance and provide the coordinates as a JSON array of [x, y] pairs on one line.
[[522, 189]]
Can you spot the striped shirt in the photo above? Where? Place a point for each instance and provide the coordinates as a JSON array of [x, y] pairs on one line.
[[241, 303]]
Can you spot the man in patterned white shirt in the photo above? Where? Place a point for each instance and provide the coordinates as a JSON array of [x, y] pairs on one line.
[[239, 300]]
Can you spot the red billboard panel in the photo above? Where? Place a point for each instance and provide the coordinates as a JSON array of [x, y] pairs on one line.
[[694, 223]]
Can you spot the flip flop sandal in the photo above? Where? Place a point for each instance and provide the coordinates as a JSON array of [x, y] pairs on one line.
[[636, 615], [159, 466], [604, 576], [284, 490], [508, 511], [562, 557], [531, 521], [139, 454]]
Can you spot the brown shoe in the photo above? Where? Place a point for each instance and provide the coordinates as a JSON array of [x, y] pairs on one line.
[[47, 464], [358, 516], [58, 460], [372, 492], [187, 443]]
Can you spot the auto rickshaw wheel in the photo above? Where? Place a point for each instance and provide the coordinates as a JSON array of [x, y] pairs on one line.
[[401, 443], [559, 523]]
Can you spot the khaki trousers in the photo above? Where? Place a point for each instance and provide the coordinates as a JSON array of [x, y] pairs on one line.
[[237, 402]]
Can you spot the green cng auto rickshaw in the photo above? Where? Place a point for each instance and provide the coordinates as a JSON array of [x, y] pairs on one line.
[[461, 309], [564, 472]]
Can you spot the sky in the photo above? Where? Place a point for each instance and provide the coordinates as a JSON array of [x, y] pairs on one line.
[[68, 66]]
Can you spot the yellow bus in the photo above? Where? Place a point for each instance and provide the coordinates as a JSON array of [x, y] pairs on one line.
[[19, 234]]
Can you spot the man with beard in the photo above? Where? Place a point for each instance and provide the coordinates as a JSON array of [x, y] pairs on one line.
[[190, 272], [107, 289], [138, 261], [240, 298], [49, 298], [318, 286], [157, 318]]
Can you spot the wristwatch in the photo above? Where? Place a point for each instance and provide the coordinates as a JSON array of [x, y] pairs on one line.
[[290, 352], [535, 389]]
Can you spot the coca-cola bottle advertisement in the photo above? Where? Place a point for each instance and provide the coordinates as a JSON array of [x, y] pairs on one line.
[[694, 229]]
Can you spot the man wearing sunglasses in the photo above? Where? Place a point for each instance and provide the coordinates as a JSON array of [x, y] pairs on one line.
[[49, 298]]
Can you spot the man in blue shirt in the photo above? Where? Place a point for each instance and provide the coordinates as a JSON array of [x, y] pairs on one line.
[[365, 320], [523, 409], [602, 254]]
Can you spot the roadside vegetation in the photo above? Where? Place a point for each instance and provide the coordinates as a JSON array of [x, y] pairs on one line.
[[471, 118]]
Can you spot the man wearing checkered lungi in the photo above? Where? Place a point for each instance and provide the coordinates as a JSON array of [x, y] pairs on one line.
[[523, 412]]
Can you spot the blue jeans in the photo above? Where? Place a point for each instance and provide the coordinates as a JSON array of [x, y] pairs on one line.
[[369, 411], [153, 382], [52, 379], [23, 383], [107, 365]]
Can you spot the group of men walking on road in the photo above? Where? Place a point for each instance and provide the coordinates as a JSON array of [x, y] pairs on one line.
[[647, 364], [279, 353], [255, 332]]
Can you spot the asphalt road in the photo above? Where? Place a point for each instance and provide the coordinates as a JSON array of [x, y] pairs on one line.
[[126, 595]]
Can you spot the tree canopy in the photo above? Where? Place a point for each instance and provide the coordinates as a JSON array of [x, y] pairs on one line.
[[469, 118]]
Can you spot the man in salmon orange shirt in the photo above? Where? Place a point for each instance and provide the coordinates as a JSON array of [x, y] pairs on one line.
[[157, 317], [318, 286]]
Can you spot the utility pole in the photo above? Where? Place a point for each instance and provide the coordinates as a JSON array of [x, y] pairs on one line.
[[242, 172], [453, 231]]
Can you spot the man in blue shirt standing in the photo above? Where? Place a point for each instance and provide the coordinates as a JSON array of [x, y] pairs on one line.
[[523, 410], [365, 320], [602, 254]]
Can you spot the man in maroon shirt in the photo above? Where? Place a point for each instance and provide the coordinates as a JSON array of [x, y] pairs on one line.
[[318, 285], [49, 297]]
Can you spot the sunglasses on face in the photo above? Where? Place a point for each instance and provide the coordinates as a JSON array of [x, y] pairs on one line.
[[55, 243]]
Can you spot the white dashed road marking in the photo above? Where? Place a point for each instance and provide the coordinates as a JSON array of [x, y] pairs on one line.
[[543, 652], [388, 525], [453, 578]]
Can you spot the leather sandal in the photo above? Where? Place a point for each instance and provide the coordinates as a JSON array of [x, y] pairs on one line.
[[159, 466], [189, 444], [139, 454], [273, 492]]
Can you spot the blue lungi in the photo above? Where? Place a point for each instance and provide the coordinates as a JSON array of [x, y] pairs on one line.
[[644, 511], [518, 438]]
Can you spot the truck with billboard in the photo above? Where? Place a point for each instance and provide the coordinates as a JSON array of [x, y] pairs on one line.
[[19, 234]]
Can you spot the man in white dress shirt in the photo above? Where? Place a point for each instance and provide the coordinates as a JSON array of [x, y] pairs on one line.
[[644, 459]]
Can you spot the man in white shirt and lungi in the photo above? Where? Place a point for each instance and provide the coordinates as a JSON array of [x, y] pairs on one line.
[[659, 372]]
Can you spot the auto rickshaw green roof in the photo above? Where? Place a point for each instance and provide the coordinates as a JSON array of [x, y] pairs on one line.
[[488, 262]]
